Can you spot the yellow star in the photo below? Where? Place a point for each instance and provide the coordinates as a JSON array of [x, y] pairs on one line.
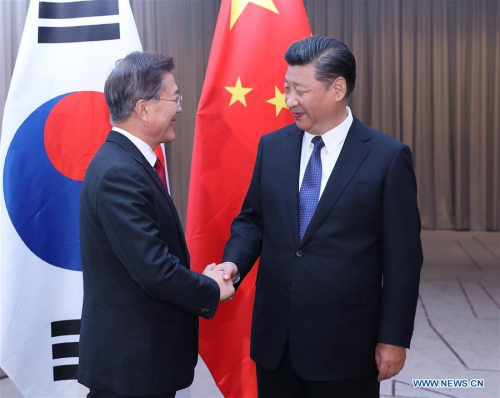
[[238, 93], [278, 100], [237, 7]]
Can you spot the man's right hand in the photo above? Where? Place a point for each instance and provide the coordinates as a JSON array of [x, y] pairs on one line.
[[230, 271], [226, 287]]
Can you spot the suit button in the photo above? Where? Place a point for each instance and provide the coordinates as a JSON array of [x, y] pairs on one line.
[[298, 253], [289, 290]]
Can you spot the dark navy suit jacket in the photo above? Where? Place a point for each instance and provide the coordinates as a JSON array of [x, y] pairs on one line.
[[353, 280], [139, 333]]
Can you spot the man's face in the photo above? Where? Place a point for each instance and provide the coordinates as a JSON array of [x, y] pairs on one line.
[[164, 112], [313, 106]]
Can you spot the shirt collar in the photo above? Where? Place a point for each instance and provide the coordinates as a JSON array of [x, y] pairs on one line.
[[335, 136], [144, 148]]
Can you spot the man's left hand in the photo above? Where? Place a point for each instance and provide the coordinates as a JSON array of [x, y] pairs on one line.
[[390, 359]]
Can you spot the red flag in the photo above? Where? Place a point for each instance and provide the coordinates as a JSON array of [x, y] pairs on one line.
[[242, 99]]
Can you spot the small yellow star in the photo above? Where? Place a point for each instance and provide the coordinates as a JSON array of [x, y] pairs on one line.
[[278, 100], [238, 93], [238, 6]]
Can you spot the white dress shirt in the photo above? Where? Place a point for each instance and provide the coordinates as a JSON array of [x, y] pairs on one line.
[[334, 141], [145, 149]]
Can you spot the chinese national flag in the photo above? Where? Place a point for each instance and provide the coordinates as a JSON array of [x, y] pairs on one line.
[[242, 99]]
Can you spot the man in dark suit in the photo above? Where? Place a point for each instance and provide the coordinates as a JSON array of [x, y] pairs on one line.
[[332, 212], [139, 333]]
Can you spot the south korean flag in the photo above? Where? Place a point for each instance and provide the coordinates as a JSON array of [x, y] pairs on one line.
[[55, 119]]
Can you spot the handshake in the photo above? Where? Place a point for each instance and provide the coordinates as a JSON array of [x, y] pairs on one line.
[[225, 274]]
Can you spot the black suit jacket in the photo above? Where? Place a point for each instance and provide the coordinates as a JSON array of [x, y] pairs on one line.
[[353, 280], [139, 333]]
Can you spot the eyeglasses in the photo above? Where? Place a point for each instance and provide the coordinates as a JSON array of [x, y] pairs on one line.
[[177, 101]]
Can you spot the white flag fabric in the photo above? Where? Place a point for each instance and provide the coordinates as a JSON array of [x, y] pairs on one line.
[[54, 121]]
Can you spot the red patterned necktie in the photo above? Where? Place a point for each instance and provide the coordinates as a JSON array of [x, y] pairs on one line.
[[160, 170]]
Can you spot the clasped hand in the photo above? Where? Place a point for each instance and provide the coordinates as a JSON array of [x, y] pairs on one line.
[[224, 274]]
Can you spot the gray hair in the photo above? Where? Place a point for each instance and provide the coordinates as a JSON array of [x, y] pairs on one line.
[[331, 59], [137, 76]]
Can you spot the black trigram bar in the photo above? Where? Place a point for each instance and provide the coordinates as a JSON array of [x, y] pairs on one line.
[[65, 372], [65, 350], [76, 34], [77, 9], [64, 328]]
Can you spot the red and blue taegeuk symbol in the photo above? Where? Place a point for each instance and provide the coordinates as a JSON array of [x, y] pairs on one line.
[[44, 170]]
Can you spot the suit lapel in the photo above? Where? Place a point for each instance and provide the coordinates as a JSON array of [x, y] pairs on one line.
[[161, 187], [351, 157], [290, 161], [126, 144]]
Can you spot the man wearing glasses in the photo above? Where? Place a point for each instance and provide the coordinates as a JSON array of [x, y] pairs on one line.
[[139, 333]]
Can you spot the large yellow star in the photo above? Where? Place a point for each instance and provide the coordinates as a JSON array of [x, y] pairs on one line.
[[238, 93], [278, 100], [238, 6]]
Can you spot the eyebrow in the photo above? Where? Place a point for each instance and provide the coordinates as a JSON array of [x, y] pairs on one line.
[[294, 84]]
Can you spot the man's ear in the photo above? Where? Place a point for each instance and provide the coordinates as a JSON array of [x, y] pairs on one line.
[[141, 109], [339, 87]]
